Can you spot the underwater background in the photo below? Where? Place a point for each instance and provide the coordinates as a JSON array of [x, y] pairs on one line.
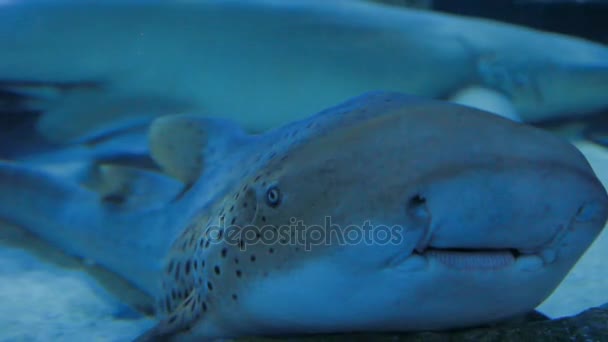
[[46, 296]]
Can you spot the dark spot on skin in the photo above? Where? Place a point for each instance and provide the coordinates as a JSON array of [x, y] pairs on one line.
[[173, 294], [263, 218], [168, 304], [297, 249], [172, 319], [170, 267], [233, 220], [204, 307], [239, 273], [257, 178], [202, 243], [236, 260], [234, 297], [264, 183], [252, 258], [187, 267], [195, 264], [270, 250], [245, 188], [220, 234], [224, 252], [177, 271], [203, 264], [207, 243], [216, 269], [244, 204], [236, 196], [114, 199], [210, 286], [231, 208]]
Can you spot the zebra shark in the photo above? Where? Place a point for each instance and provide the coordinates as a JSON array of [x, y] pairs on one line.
[[106, 65], [384, 213]]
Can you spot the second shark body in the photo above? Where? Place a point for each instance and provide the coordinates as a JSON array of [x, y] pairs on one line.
[[105, 65]]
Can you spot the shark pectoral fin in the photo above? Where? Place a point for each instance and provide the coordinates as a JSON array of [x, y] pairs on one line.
[[66, 214], [132, 187], [487, 99], [43, 203], [185, 145]]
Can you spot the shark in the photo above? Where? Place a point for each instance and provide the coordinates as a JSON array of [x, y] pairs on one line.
[[103, 66], [386, 212]]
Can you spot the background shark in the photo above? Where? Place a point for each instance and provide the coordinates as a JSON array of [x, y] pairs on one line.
[[498, 210], [92, 67]]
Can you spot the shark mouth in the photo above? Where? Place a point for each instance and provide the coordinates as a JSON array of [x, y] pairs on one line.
[[485, 259]]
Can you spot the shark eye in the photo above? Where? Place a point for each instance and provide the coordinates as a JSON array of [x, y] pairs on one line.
[[273, 196]]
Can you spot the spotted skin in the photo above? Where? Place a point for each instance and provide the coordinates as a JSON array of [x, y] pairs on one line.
[[204, 272]]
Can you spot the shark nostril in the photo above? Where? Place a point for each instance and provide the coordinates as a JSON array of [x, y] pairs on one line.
[[588, 212], [418, 210], [416, 206]]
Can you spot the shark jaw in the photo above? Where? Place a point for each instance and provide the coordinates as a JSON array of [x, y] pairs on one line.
[[430, 289]]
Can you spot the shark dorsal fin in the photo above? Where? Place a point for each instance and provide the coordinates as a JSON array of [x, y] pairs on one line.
[[184, 146]]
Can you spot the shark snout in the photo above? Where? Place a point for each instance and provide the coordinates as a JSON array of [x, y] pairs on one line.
[[526, 207]]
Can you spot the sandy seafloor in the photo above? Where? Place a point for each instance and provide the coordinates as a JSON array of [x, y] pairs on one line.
[[45, 302]]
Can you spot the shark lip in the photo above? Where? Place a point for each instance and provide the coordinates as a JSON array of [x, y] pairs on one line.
[[489, 258], [486, 259]]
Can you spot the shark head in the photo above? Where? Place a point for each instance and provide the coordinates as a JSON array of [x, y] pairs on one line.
[[385, 213]]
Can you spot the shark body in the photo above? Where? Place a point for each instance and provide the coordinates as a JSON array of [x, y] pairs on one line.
[[484, 218], [106, 65]]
